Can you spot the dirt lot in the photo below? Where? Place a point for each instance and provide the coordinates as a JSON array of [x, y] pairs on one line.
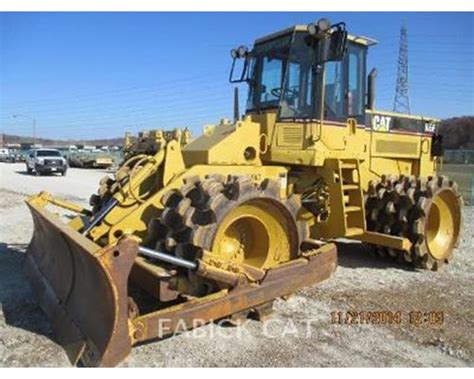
[[301, 332]]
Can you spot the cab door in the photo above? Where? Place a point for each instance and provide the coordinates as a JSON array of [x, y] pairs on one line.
[[344, 100]]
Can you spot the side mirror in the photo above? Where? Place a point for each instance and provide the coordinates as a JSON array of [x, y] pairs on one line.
[[337, 45], [333, 47], [437, 147]]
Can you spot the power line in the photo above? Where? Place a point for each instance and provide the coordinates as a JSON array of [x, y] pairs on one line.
[[168, 84], [401, 102]]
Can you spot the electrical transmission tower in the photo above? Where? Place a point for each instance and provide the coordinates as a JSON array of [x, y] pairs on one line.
[[401, 102]]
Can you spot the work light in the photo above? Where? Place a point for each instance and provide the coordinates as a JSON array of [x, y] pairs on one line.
[[324, 24], [242, 51], [312, 29]]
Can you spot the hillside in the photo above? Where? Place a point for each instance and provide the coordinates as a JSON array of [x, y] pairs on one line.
[[458, 132], [13, 139]]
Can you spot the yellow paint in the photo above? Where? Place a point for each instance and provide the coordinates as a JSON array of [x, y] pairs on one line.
[[254, 234]]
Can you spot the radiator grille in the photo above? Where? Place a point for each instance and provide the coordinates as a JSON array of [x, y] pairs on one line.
[[291, 135], [396, 147], [53, 162]]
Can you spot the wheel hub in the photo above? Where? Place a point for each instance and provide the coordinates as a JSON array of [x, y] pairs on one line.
[[252, 233], [442, 226]]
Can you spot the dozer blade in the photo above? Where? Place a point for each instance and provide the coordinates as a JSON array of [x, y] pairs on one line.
[[280, 281], [82, 288]]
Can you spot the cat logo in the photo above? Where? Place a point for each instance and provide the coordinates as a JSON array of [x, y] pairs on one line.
[[381, 123]]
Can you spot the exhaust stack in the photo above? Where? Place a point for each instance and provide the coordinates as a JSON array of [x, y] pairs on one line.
[[371, 88], [236, 105]]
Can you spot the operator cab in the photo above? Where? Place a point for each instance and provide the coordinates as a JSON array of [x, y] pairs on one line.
[[289, 72]]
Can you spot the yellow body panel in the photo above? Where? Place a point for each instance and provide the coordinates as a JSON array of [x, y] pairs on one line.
[[236, 144], [379, 153]]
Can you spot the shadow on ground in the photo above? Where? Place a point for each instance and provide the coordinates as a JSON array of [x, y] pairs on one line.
[[17, 300], [23, 173], [33, 174], [356, 255]]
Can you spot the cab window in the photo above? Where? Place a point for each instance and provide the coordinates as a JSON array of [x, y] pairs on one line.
[[356, 82], [344, 86], [334, 100], [297, 99], [272, 75]]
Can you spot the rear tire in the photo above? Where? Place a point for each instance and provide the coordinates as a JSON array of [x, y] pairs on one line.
[[426, 211]]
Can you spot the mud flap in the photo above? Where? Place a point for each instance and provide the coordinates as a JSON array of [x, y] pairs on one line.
[[82, 288]]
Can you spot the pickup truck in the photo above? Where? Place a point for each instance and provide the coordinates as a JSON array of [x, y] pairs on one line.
[[46, 161]]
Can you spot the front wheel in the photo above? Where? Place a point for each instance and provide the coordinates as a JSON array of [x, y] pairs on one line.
[[237, 219], [63, 173]]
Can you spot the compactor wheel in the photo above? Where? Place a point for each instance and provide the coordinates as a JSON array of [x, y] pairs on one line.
[[426, 211], [236, 219]]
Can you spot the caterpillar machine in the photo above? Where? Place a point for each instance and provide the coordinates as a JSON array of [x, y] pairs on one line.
[[150, 141], [135, 151], [245, 213]]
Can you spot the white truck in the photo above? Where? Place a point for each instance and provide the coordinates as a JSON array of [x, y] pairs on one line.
[[46, 161], [4, 155]]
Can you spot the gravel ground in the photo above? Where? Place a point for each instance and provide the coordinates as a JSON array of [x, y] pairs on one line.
[[301, 331]]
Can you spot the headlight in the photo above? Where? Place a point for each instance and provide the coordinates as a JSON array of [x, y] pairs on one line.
[[242, 50], [324, 24], [40, 160], [312, 29]]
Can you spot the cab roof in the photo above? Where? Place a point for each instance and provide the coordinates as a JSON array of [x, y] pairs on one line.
[[361, 40]]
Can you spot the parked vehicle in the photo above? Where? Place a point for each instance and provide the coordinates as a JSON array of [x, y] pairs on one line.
[[88, 159], [3, 155], [46, 161], [14, 156]]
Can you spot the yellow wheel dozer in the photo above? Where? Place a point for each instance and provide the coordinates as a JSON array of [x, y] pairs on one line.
[[187, 233]]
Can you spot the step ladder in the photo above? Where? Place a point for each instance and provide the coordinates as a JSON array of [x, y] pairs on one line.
[[347, 213], [352, 200]]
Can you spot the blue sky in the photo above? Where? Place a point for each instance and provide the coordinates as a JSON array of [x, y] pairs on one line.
[[98, 74]]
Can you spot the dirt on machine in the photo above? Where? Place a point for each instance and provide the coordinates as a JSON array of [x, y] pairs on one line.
[[219, 227]]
